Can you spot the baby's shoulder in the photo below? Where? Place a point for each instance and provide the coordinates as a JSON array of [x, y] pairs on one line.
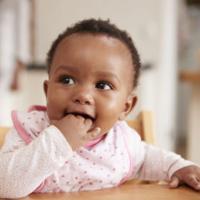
[[123, 129], [130, 138]]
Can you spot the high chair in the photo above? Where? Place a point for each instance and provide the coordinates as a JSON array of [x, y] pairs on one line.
[[143, 124], [3, 131]]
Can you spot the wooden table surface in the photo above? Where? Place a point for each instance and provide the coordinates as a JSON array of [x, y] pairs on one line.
[[127, 191]]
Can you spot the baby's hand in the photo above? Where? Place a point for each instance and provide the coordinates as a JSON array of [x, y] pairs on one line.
[[77, 130], [189, 175]]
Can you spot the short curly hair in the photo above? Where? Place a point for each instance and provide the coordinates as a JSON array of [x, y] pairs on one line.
[[99, 26]]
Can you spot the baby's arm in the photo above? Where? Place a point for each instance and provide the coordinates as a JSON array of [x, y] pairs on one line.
[[24, 167], [164, 165], [158, 164]]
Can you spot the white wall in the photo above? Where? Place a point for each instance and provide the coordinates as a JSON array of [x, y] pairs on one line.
[[140, 18], [167, 74], [14, 45]]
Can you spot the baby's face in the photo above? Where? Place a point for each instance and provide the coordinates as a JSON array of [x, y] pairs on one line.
[[91, 75]]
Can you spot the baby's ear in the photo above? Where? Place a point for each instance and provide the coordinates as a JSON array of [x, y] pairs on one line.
[[45, 87], [129, 105]]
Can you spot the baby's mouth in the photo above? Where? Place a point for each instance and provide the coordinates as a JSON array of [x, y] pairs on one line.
[[84, 115]]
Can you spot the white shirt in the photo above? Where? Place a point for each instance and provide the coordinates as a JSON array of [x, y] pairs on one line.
[[46, 163]]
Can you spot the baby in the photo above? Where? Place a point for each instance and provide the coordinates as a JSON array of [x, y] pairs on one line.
[[80, 140]]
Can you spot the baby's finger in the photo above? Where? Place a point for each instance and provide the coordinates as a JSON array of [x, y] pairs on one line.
[[193, 182], [174, 182], [88, 122], [79, 117], [94, 133]]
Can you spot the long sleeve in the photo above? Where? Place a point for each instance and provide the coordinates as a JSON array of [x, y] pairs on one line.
[[150, 162], [158, 164], [24, 167]]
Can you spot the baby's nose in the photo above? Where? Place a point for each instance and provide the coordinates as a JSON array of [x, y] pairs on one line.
[[83, 97]]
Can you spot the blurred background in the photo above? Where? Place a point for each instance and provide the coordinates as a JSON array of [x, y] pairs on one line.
[[166, 33]]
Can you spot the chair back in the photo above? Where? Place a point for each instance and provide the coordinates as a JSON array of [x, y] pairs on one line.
[[3, 131], [144, 125]]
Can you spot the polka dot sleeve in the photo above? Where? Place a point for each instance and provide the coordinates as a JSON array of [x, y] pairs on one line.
[[24, 167]]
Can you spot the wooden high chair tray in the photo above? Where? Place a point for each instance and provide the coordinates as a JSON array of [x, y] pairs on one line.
[[127, 191]]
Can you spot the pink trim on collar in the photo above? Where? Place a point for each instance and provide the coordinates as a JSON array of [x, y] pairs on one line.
[[37, 107], [94, 142], [131, 167], [20, 129]]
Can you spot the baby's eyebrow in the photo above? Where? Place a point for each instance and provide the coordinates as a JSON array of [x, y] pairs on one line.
[[108, 75], [65, 68]]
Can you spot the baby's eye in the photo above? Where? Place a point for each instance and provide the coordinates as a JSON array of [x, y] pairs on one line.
[[67, 80], [104, 85]]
